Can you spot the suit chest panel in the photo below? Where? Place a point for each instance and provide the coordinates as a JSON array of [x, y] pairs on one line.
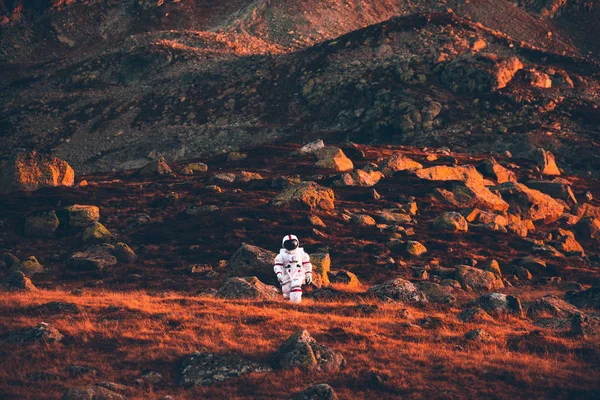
[[292, 264]]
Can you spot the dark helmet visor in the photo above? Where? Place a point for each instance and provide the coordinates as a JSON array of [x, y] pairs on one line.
[[290, 244]]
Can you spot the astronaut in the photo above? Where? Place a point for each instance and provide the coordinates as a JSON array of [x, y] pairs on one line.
[[293, 269]]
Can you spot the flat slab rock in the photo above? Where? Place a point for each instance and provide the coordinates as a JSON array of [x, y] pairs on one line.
[[201, 368]]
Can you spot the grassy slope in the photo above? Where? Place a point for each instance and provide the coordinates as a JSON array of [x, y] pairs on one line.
[[142, 332]]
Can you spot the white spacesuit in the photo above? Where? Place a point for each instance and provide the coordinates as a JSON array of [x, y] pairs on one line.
[[293, 269]]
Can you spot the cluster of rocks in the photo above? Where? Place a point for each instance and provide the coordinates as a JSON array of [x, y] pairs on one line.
[[299, 351]]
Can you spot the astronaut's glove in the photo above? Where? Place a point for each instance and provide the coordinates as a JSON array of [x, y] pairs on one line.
[[308, 279], [280, 279]]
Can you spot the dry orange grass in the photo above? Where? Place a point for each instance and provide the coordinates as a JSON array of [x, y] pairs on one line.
[[124, 335]]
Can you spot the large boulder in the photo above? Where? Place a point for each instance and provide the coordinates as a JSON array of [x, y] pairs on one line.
[[81, 216], [499, 304], [468, 190], [529, 203], [478, 278], [302, 351], [158, 167], [479, 73], [42, 332], [397, 290], [17, 282], [247, 289], [32, 171], [321, 391], [200, 369], [95, 392], [589, 298], [41, 224], [551, 305], [333, 158], [398, 162], [251, 260], [92, 259], [306, 195]]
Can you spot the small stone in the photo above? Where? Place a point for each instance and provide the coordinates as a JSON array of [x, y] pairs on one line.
[[152, 377], [124, 253], [228, 177], [17, 281], [41, 224], [451, 221], [96, 233], [478, 279], [333, 158], [312, 147], [475, 314], [195, 168], [363, 220], [31, 266], [158, 167], [479, 335], [318, 392], [415, 248], [346, 278], [80, 216], [493, 266], [236, 156], [316, 221]]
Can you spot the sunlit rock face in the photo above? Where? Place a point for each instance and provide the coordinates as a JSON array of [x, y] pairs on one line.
[[32, 171]]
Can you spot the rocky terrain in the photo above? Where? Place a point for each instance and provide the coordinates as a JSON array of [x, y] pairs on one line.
[[432, 267], [438, 160]]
